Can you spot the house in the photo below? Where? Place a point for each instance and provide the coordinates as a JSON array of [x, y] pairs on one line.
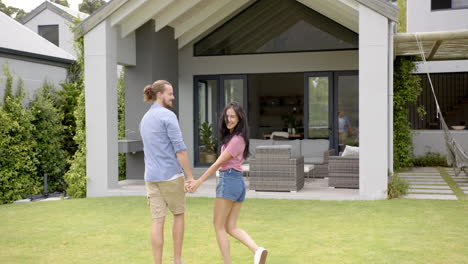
[[52, 21], [450, 77], [30, 57], [317, 56]]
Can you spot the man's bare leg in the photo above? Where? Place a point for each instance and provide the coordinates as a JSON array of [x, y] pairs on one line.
[[157, 239], [178, 237]]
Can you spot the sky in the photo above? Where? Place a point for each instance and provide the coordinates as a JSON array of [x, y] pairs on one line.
[[28, 5]]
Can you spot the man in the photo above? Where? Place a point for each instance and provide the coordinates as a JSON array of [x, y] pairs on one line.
[[344, 128], [165, 158]]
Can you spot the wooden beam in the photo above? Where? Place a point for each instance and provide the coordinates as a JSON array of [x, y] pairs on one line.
[[124, 11], [340, 12], [223, 14], [202, 14], [172, 12], [143, 15], [431, 36], [434, 49]]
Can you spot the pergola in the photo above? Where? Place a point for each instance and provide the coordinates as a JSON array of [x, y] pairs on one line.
[[441, 45]]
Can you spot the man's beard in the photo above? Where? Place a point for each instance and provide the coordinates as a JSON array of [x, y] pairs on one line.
[[165, 104]]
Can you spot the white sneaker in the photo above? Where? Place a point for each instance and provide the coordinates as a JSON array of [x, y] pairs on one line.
[[260, 256]]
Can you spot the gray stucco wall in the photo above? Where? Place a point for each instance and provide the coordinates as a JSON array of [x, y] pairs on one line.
[[433, 141], [33, 74], [156, 58]]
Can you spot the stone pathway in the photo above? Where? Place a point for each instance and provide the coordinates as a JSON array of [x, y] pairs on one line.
[[461, 179], [427, 183]]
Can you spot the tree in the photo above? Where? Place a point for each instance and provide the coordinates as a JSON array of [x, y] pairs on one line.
[[61, 2], [16, 13], [89, 6]]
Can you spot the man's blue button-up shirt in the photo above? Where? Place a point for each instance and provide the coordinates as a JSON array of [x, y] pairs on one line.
[[162, 139]]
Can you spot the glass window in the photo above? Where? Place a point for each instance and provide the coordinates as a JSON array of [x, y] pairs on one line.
[[448, 4], [459, 3], [50, 32], [207, 120], [318, 107], [233, 91], [272, 26], [348, 111]]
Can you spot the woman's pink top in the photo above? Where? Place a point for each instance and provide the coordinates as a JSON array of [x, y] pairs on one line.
[[235, 147]]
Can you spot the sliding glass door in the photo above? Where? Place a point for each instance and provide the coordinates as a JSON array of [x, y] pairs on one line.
[[332, 108], [347, 109], [211, 94], [318, 106]]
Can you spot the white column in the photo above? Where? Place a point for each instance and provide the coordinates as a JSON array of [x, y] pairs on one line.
[[101, 109], [373, 104]]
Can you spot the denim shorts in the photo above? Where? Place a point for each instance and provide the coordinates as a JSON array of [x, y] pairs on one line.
[[231, 186]]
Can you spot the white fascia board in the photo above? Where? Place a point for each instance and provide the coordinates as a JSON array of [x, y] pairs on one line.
[[341, 11]]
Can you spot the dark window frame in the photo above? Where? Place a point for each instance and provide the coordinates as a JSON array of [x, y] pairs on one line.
[[445, 8], [45, 26]]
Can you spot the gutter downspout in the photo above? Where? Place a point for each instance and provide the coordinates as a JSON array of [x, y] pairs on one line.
[[391, 30]]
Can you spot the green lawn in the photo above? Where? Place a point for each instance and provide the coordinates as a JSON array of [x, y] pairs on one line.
[[116, 230]]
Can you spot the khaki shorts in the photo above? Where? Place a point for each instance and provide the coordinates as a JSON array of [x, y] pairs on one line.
[[164, 195]]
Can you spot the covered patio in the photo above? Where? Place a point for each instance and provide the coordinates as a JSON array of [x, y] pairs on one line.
[[156, 39], [314, 189]]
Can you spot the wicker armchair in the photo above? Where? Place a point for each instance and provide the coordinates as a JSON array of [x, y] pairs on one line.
[[321, 169], [343, 172], [274, 168]]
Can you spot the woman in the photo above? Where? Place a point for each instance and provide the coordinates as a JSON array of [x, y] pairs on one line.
[[230, 191]]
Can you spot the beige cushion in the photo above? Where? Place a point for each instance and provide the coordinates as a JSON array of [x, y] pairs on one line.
[[308, 168], [350, 151]]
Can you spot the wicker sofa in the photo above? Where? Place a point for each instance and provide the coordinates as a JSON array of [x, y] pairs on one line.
[[276, 168], [343, 172], [314, 151]]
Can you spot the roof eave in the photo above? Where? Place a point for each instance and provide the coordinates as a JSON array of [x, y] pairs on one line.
[[99, 15], [380, 6]]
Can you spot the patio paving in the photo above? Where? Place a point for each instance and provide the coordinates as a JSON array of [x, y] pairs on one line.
[[314, 189], [427, 183], [461, 179]]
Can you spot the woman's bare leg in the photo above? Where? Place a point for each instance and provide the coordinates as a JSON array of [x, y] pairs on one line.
[[237, 233], [222, 208]]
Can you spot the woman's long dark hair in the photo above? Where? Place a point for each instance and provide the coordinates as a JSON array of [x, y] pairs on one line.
[[242, 128]]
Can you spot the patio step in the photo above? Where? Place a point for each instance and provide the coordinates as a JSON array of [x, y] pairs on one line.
[[431, 196], [410, 191]]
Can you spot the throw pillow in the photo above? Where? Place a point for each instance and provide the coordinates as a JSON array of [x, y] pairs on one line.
[[350, 151]]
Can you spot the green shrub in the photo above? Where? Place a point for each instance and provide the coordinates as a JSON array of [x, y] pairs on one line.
[[49, 136], [397, 187], [68, 101], [406, 89], [431, 159], [121, 123], [75, 177], [18, 174]]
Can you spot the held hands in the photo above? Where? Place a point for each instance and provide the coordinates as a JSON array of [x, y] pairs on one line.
[[187, 184], [192, 185]]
